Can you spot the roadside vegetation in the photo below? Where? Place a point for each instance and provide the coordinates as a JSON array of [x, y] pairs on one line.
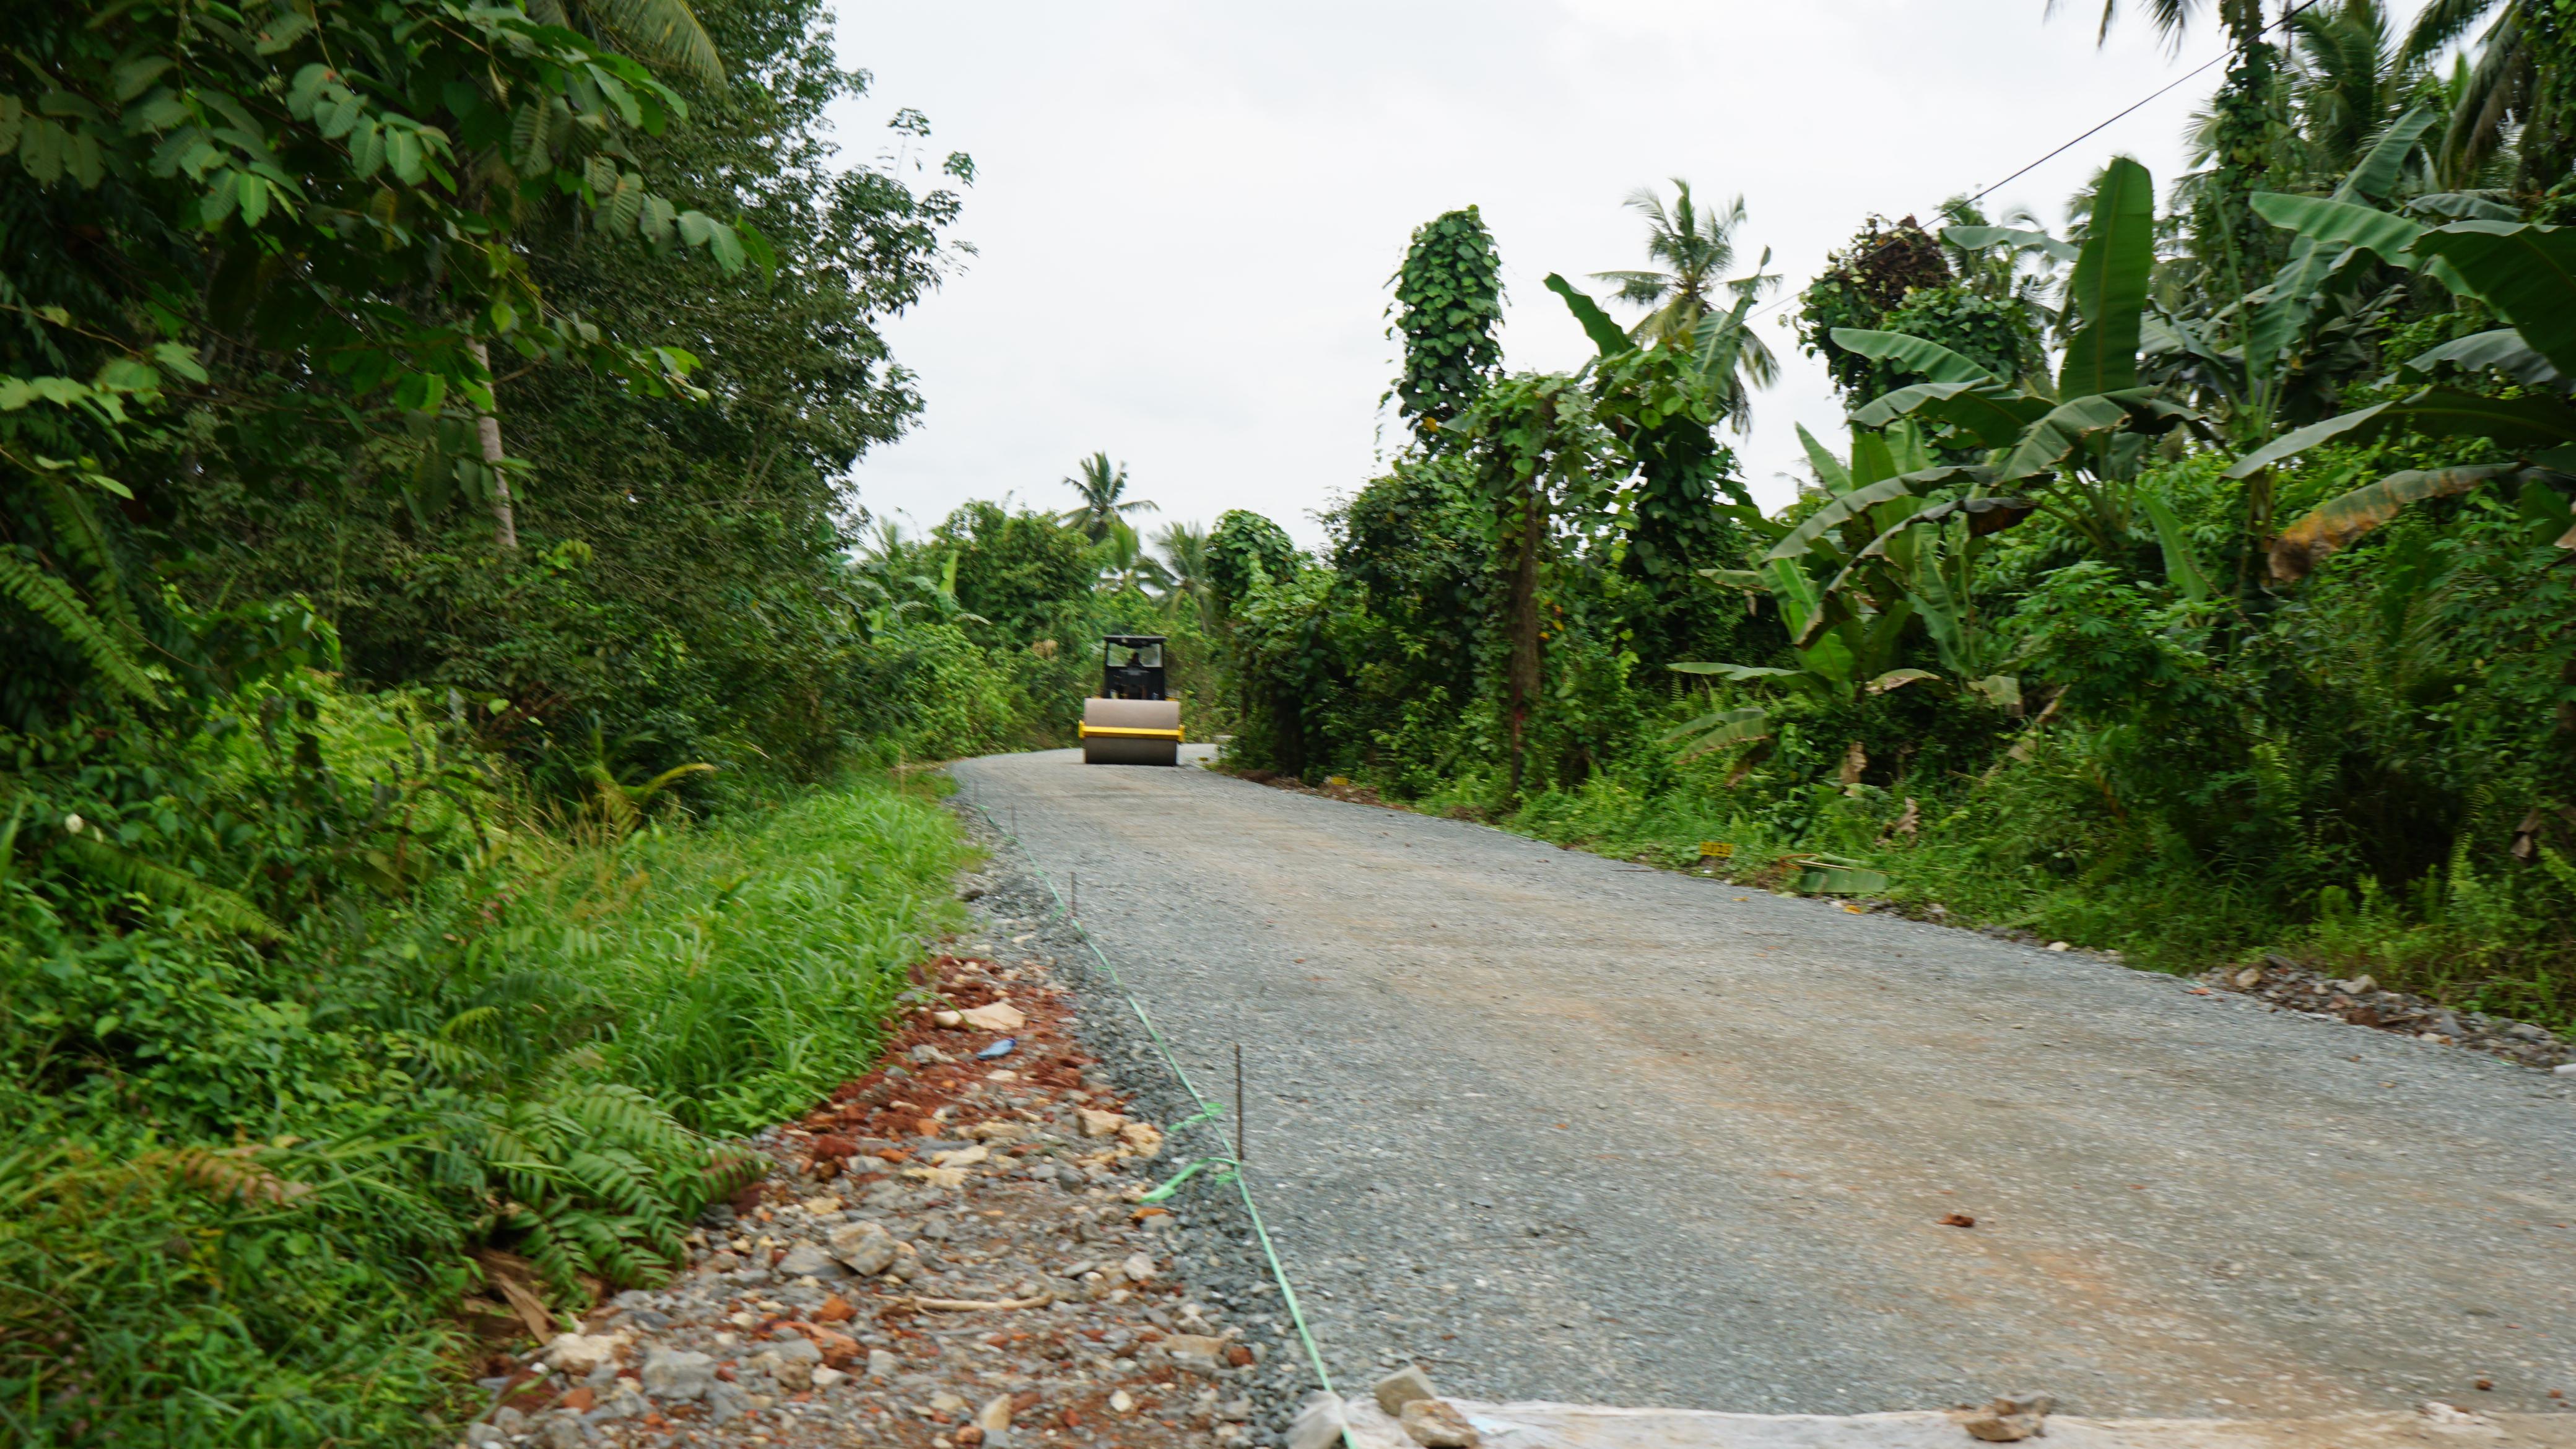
[[455, 719], [2193, 579], [447, 739]]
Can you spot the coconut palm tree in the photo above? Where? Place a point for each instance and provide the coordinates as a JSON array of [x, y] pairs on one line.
[[2499, 88], [1696, 245], [1101, 485], [2350, 78], [1184, 549], [2173, 17], [1125, 565]]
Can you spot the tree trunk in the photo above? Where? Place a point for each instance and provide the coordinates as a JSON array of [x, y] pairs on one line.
[[1521, 681], [487, 430]]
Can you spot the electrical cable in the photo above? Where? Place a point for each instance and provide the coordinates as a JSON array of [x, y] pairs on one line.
[[2159, 93]]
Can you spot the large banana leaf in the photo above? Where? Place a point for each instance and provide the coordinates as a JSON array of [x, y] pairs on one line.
[[1829, 469], [2338, 521], [2324, 220], [1936, 362], [1986, 412], [2502, 349], [1737, 672], [1978, 238], [2386, 160], [1794, 590], [2526, 273], [1723, 728], [2182, 562], [1984, 515], [2514, 422], [2065, 428], [2153, 413], [1836, 512], [2518, 422], [2362, 423], [1598, 325], [1871, 462], [2109, 288], [2465, 205]]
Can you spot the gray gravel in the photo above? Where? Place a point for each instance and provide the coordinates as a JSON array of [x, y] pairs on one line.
[[1215, 1249], [1560, 1127]]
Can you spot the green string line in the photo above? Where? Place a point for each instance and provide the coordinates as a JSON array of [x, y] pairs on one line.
[[1208, 1112]]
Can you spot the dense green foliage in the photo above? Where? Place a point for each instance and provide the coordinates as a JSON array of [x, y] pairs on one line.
[[1448, 300], [424, 438], [2195, 580]]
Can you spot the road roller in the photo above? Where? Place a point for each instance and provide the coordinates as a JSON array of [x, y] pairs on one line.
[[1131, 722]]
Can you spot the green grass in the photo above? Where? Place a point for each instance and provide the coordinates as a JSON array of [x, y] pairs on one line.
[[241, 1185], [752, 967], [2030, 846]]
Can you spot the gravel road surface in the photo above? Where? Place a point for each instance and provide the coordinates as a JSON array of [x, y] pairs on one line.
[[1564, 1128]]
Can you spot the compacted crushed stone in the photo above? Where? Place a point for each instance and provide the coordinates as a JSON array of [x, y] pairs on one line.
[[1014, 1181]]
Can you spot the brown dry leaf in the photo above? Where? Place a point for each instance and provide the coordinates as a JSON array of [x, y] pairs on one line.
[[230, 1172], [512, 1275], [1958, 1220]]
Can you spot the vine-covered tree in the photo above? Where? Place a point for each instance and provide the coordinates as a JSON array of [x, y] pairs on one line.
[[1448, 300]]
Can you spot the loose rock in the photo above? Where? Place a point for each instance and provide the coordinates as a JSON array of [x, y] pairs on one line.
[[866, 1247], [672, 1374], [577, 1354], [1401, 1388], [1435, 1425], [2010, 1418], [807, 1260]]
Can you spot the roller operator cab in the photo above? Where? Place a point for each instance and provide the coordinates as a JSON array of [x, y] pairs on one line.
[[1130, 722]]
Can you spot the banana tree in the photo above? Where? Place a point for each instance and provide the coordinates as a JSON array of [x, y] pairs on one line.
[[1879, 561], [2075, 450], [2526, 274]]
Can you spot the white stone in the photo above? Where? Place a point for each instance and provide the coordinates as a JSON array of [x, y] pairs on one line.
[[807, 1260], [866, 1247], [578, 1353], [1318, 1425]]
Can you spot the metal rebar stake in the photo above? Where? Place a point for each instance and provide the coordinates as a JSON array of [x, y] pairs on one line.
[[1238, 1106]]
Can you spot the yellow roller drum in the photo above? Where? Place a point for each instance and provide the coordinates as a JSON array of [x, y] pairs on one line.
[[1131, 732]]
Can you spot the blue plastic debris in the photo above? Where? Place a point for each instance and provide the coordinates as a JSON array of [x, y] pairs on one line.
[[1000, 1048]]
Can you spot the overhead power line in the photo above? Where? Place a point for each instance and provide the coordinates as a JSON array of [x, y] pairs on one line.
[[2070, 144]]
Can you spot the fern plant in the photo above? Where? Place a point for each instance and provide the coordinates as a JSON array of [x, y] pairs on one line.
[[591, 1178]]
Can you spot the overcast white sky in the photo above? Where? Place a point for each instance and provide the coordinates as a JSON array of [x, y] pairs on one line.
[[1187, 213]]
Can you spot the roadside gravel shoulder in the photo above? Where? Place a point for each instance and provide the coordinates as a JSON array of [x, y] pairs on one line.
[[955, 1251]]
